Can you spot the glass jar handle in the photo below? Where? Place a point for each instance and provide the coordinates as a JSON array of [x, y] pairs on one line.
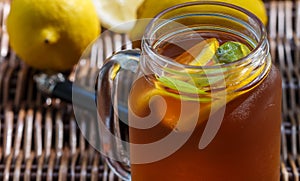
[[113, 85]]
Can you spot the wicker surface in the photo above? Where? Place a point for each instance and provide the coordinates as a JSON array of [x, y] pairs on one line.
[[39, 137]]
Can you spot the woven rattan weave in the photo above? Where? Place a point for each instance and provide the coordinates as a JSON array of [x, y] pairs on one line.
[[40, 139]]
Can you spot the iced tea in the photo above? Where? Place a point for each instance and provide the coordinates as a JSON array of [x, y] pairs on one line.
[[247, 144]]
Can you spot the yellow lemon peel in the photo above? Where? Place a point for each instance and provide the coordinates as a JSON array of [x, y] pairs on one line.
[[52, 35]]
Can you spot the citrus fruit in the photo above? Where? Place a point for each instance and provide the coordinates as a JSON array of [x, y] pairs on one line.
[[117, 15], [150, 8], [169, 112], [51, 35], [200, 54]]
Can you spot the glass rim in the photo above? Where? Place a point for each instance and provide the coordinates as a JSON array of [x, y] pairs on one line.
[[260, 43]]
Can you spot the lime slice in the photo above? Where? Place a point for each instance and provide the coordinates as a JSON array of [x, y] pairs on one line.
[[200, 54]]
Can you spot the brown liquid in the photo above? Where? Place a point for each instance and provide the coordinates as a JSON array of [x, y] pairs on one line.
[[246, 147]]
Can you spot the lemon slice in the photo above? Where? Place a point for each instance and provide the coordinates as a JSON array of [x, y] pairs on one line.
[[117, 15], [171, 114], [200, 54]]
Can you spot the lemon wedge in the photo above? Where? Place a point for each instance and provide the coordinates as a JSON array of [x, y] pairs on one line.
[[117, 15], [200, 54]]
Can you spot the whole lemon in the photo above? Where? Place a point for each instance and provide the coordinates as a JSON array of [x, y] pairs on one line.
[[150, 8], [52, 34]]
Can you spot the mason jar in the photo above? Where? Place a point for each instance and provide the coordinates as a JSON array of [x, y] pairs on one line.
[[191, 118]]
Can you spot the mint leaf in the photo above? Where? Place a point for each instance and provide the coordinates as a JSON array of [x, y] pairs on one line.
[[179, 85], [231, 51]]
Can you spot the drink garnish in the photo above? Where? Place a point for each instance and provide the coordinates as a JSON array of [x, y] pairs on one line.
[[192, 56], [210, 54], [196, 85], [179, 85], [231, 51]]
